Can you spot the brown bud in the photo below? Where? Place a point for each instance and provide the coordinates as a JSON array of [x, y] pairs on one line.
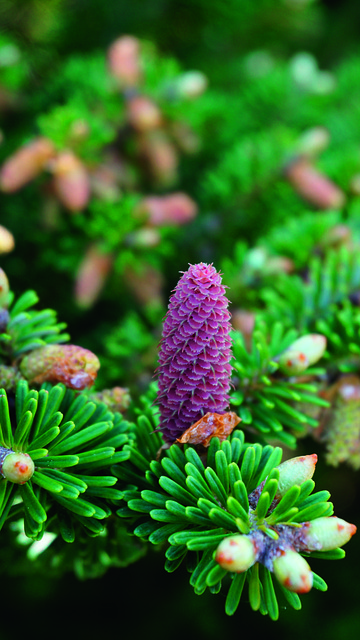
[[313, 186], [124, 61], [146, 283], [74, 366], [25, 164], [116, 399], [186, 139], [161, 157], [143, 114], [173, 209], [71, 181], [91, 276], [211, 425]]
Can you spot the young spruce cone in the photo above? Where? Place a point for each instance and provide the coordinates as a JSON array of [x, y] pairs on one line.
[[195, 351]]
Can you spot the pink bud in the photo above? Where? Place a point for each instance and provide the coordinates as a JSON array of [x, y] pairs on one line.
[[174, 209], [18, 467], [124, 61], [293, 572], [236, 553], [327, 533], [71, 181], [91, 276], [143, 114], [295, 471], [25, 164], [314, 187]]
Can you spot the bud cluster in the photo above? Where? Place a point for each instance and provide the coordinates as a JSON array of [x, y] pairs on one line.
[[279, 546]]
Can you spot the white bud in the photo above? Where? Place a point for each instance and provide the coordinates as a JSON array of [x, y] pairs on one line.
[[236, 553], [295, 471], [293, 572], [327, 533]]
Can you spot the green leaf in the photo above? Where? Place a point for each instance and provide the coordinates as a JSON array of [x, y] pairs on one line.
[[43, 439], [248, 465], [234, 593], [216, 485], [254, 587], [161, 535], [78, 506], [269, 594], [5, 422], [58, 461], [174, 489], [31, 503], [79, 439], [46, 482], [319, 583]]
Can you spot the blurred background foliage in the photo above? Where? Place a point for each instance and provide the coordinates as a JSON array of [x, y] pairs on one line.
[[246, 106]]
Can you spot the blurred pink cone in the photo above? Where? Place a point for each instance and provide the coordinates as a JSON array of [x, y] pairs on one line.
[[124, 61], [91, 276], [161, 156], [25, 164], [71, 181], [174, 209], [143, 114], [313, 186]]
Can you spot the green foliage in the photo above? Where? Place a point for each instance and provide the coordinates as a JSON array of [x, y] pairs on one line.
[[28, 329], [73, 443], [194, 500]]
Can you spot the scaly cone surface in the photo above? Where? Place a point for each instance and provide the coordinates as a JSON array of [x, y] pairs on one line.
[[195, 351]]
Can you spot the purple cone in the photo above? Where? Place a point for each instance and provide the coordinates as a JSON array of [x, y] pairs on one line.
[[195, 351]]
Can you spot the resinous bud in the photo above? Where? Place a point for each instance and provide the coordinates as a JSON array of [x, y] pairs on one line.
[[236, 553], [327, 533], [295, 471], [18, 467], [293, 572], [70, 364], [302, 353]]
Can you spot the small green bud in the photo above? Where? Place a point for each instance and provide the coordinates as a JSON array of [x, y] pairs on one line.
[[236, 553], [302, 353], [295, 471], [327, 533], [18, 467], [293, 572]]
